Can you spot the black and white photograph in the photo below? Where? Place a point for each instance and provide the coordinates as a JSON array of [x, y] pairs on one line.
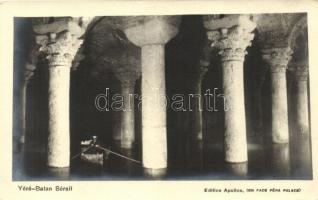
[[162, 97], [159, 100]]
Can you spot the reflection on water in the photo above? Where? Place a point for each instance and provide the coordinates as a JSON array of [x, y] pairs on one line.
[[155, 173], [281, 160], [301, 157], [198, 161], [238, 170], [59, 173]]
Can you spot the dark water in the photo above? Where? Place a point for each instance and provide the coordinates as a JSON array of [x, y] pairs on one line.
[[198, 162]]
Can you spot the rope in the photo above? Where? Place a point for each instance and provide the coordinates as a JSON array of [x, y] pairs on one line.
[[117, 154], [88, 148], [107, 150]]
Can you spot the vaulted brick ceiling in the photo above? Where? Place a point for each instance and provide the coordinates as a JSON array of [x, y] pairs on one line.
[[107, 47]]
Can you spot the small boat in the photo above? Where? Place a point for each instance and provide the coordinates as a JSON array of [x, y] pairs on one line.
[[92, 152]]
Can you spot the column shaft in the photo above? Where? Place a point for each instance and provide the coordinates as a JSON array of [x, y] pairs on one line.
[[258, 127], [60, 48], [279, 108], [28, 73], [128, 117], [231, 43], [117, 127], [154, 136], [235, 126], [278, 59], [59, 130], [302, 107], [23, 113], [151, 33], [196, 115]]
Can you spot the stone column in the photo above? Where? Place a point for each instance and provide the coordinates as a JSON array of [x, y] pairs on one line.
[[151, 34], [301, 156], [60, 49], [117, 128], [231, 38], [302, 116], [127, 116], [277, 59], [258, 113], [196, 103], [28, 73], [194, 141]]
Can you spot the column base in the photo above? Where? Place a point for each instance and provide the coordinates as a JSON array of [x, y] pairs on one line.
[[302, 136], [58, 166], [53, 162], [280, 141], [234, 161], [303, 130], [155, 173], [62, 173]]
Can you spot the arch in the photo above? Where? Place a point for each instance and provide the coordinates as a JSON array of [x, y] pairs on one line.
[[300, 25]]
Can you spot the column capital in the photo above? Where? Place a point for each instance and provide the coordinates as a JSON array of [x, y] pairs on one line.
[[59, 39], [148, 30], [233, 37], [127, 78], [126, 67], [127, 75], [60, 48], [197, 73], [277, 58], [301, 73]]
